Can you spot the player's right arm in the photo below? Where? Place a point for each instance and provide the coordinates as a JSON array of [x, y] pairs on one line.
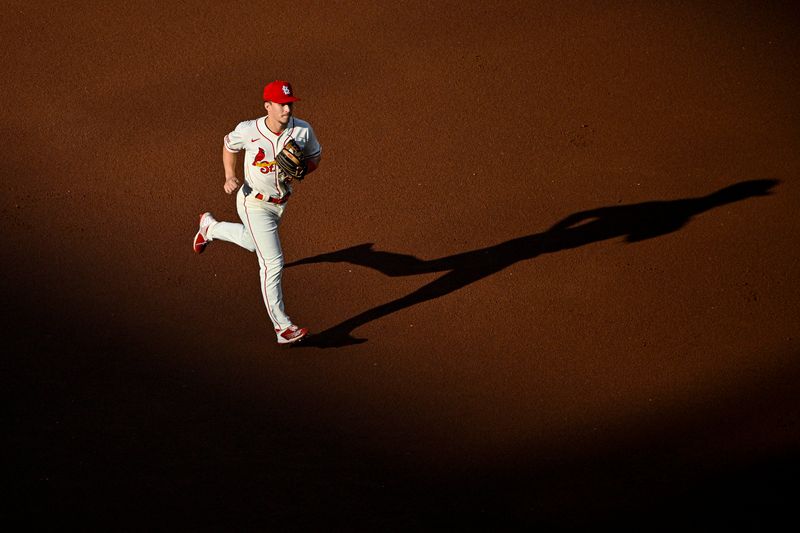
[[229, 164], [232, 145]]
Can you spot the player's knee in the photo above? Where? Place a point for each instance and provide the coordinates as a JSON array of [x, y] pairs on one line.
[[273, 264]]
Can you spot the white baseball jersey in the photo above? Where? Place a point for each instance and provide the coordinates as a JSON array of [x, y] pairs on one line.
[[261, 146]]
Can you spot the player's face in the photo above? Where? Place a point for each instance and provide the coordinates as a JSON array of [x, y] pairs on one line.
[[280, 113]]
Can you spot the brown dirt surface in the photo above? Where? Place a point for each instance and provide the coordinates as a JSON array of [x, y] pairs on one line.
[[549, 259]]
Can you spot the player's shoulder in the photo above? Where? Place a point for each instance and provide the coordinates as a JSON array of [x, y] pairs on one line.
[[248, 124], [300, 123]]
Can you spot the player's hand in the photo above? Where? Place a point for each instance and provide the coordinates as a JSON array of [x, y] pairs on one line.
[[231, 184]]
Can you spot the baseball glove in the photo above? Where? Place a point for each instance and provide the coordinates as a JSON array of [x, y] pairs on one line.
[[291, 161]]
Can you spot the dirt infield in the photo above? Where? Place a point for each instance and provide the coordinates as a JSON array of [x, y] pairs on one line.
[[549, 259]]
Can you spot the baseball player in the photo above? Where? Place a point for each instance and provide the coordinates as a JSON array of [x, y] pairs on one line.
[[278, 149]]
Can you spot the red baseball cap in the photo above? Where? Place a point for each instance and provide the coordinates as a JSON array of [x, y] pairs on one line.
[[280, 92]]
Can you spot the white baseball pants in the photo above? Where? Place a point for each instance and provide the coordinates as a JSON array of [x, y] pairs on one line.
[[259, 233]]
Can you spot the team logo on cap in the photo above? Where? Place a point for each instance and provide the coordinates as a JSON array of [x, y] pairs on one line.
[[286, 90]]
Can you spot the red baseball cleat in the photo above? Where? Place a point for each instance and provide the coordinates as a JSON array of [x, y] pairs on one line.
[[291, 334], [201, 239]]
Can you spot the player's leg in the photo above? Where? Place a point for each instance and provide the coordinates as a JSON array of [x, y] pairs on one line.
[[262, 220], [232, 231]]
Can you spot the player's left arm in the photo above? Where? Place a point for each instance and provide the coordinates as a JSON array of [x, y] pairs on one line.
[[312, 164], [313, 152]]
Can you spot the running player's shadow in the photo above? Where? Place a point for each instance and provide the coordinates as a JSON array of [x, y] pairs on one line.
[[635, 222]]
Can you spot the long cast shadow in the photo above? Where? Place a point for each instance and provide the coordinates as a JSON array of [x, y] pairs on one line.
[[635, 222]]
